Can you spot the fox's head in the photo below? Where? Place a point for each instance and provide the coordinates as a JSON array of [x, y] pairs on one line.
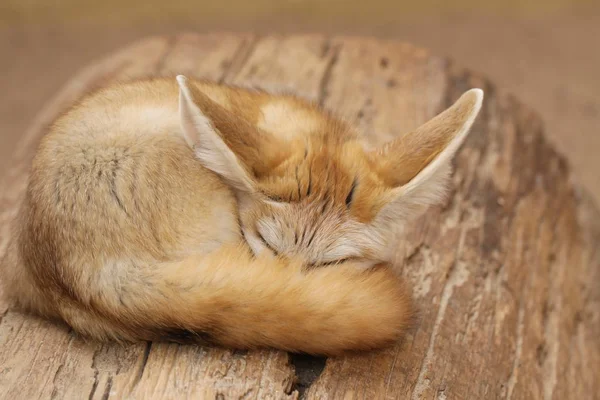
[[322, 196]]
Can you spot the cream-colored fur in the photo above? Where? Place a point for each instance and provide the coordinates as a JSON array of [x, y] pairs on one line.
[[189, 211]]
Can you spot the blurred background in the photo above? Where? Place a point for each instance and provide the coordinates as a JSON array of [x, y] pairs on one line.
[[546, 52]]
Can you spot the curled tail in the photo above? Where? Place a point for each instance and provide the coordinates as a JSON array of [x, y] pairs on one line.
[[232, 299]]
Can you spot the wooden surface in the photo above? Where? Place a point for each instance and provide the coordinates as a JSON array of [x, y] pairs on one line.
[[506, 275]]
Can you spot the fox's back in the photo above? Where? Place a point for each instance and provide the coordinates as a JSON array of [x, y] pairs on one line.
[[114, 178]]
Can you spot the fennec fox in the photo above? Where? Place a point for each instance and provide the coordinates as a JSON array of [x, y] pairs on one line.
[[194, 212]]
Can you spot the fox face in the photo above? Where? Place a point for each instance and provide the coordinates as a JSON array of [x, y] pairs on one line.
[[322, 196], [316, 206]]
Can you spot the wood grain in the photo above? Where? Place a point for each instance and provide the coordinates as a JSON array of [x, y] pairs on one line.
[[506, 275]]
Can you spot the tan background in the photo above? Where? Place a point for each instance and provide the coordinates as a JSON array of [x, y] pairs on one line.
[[546, 52]]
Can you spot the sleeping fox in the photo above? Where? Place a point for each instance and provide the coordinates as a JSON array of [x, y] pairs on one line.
[[189, 211]]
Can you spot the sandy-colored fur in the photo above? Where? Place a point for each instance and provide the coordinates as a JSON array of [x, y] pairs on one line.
[[193, 211]]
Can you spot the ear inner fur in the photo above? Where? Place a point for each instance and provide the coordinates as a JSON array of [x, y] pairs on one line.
[[209, 146], [404, 158], [416, 168], [258, 151]]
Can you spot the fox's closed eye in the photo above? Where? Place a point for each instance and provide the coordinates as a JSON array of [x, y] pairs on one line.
[[266, 244], [335, 262], [332, 262], [275, 198], [351, 193]]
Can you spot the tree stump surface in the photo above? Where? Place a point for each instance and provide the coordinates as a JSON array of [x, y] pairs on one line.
[[506, 274]]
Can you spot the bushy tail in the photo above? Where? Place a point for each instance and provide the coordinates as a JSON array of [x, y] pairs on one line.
[[238, 301]]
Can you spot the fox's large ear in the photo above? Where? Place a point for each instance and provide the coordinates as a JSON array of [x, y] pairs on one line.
[[224, 143], [416, 167]]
